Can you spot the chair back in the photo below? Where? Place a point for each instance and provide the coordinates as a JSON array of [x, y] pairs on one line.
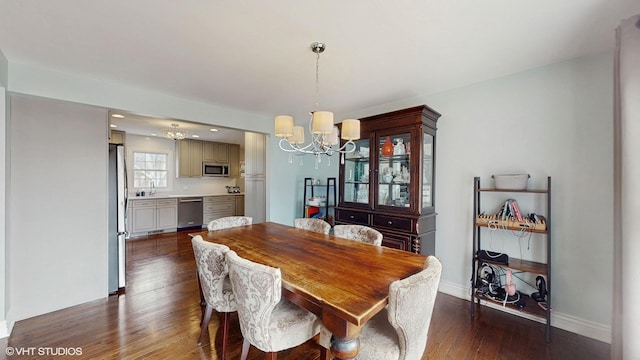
[[212, 271], [229, 222], [358, 233], [410, 307], [258, 289], [317, 225]]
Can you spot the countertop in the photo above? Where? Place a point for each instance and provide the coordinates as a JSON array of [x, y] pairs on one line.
[[169, 196]]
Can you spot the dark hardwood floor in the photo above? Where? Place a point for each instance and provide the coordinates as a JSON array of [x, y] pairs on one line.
[[158, 318]]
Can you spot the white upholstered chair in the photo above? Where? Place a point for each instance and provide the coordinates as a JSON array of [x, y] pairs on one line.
[[317, 225], [400, 331], [358, 233], [214, 284], [267, 321], [229, 222]]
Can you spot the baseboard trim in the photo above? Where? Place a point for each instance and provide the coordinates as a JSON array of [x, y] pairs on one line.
[[562, 321]]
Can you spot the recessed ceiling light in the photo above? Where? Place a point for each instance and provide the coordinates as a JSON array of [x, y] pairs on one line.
[[154, 135], [213, 130], [117, 116], [195, 136], [113, 125]]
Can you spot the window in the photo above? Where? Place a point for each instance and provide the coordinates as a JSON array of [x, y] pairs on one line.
[[149, 169]]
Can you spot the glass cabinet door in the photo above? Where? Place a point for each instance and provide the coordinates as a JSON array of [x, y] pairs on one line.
[[394, 166], [356, 173], [427, 172]]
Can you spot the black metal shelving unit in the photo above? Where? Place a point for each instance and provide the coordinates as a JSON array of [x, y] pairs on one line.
[[539, 268], [330, 193]]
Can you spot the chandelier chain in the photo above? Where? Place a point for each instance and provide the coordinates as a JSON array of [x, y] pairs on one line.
[[317, 107]]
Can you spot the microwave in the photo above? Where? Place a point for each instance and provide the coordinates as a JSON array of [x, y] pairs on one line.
[[215, 169]]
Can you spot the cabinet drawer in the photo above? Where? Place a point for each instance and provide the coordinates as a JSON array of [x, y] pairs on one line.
[[392, 222], [224, 206], [143, 203], [396, 241], [353, 217], [219, 199], [167, 202]]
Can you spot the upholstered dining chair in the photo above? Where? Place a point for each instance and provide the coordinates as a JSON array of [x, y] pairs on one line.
[[229, 222], [214, 284], [267, 321], [400, 331], [358, 233], [317, 225]]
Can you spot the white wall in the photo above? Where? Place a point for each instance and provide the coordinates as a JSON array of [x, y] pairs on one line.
[[4, 70], [58, 205], [34, 80], [551, 121], [181, 186], [4, 77]]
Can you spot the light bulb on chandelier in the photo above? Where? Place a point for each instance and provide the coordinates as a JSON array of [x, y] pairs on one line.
[[324, 134]]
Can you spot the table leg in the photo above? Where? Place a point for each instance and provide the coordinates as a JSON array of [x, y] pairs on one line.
[[344, 348]]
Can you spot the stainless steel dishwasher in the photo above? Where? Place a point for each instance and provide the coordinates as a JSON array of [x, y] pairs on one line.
[[189, 212]]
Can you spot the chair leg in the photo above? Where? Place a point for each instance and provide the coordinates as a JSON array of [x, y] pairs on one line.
[[203, 303], [272, 356], [225, 334], [205, 323], [245, 349], [325, 354]]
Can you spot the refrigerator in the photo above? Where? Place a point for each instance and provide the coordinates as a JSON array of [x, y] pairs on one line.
[[117, 218]]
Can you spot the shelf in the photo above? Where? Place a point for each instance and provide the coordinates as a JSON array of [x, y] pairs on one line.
[[521, 265], [499, 224], [542, 225], [514, 191], [531, 307]]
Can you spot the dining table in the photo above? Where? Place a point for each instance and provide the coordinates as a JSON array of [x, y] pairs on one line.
[[344, 282]]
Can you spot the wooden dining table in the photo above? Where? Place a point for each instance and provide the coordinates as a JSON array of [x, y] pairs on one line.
[[344, 282]]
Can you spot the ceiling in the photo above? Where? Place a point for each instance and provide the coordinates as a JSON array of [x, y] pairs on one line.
[[154, 126], [254, 55]]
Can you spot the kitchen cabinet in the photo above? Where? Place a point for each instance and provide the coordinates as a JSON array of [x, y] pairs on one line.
[[254, 155], [215, 152], [143, 215], [116, 137], [234, 160], [215, 207], [149, 215], [189, 158], [166, 214], [255, 177], [239, 205], [388, 182]]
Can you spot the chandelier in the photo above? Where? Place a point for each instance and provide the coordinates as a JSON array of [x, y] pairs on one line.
[[175, 133], [324, 134]]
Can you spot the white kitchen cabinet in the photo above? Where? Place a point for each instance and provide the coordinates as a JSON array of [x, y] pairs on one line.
[[239, 205], [189, 158], [166, 214], [255, 177], [215, 152], [148, 215], [215, 207], [254, 154], [234, 160], [143, 215]]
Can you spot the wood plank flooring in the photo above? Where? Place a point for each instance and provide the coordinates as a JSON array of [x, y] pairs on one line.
[[158, 318]]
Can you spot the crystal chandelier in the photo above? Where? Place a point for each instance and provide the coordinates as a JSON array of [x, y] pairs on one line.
[[175, 133], [324, 134]]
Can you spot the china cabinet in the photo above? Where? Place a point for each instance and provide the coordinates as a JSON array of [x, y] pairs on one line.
[[388, 182]]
